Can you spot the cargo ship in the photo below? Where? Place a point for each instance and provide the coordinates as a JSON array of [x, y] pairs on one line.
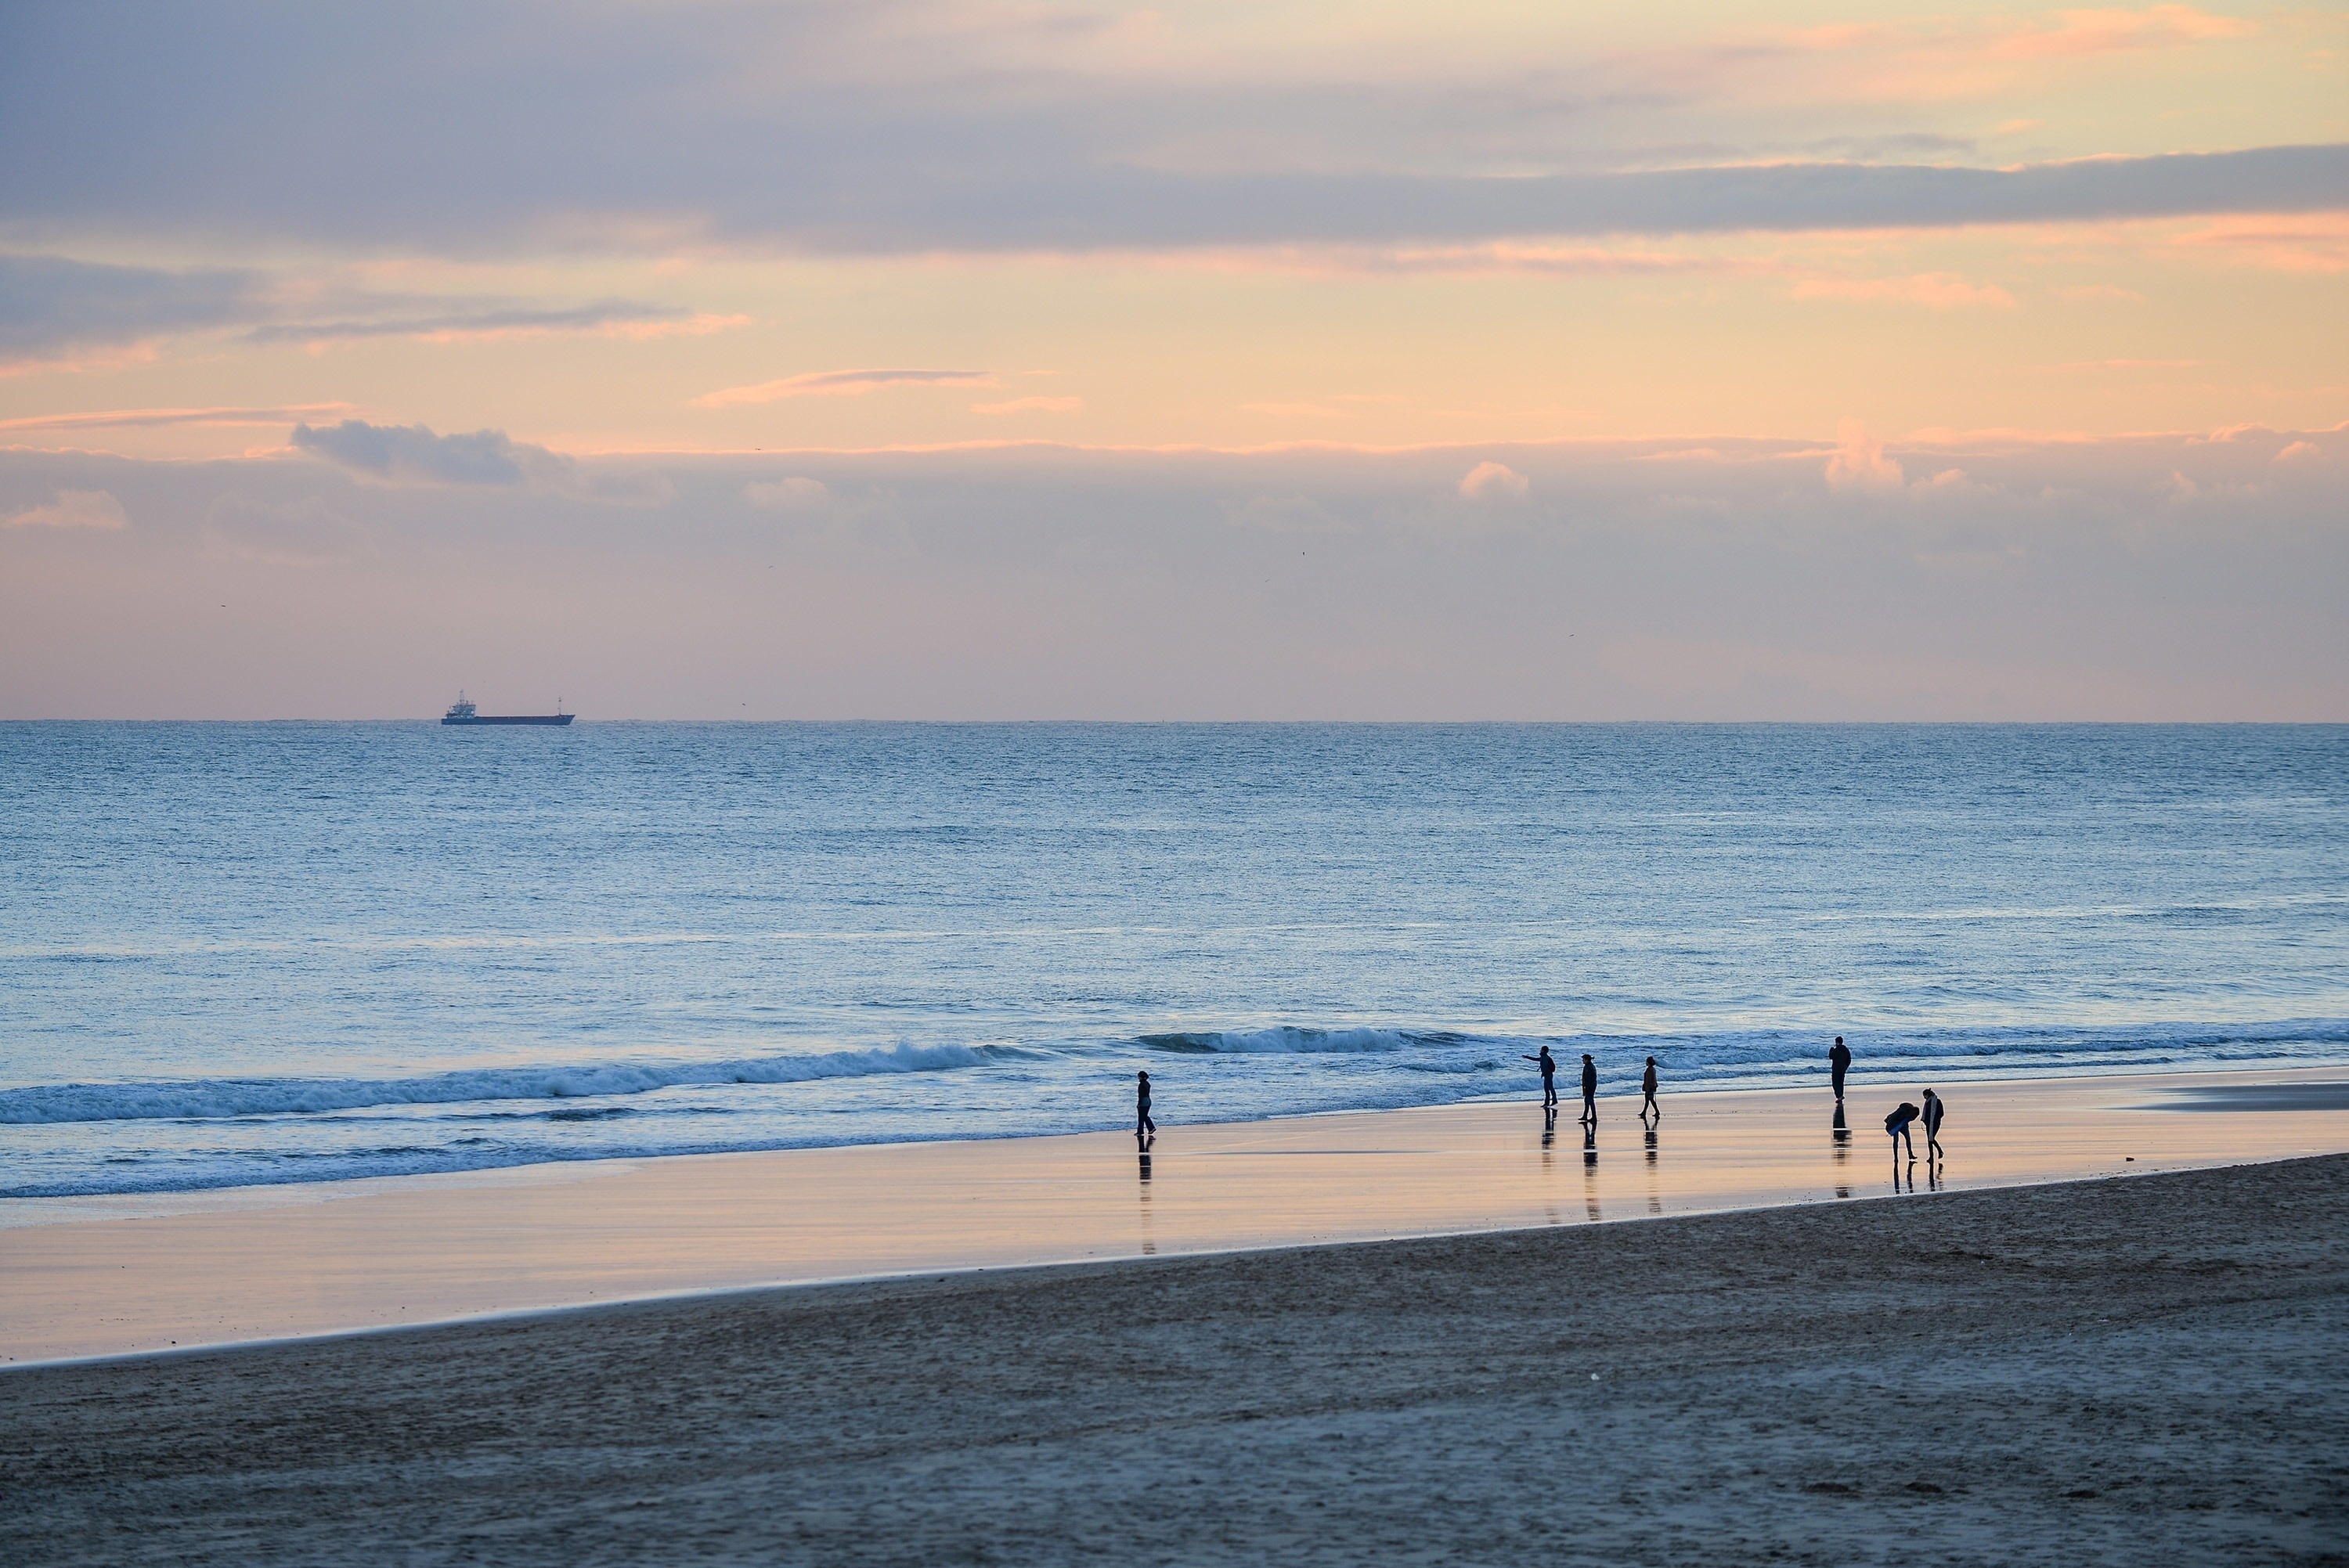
[[462, 711]]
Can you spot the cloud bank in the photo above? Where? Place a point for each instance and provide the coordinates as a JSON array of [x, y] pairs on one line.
[[934, 125], [1993, 577], [415, 455]]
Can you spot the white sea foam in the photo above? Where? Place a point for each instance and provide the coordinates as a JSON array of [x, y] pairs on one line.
[[214, 1097]]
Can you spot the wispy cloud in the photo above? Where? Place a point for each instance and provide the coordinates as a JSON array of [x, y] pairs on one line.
[[1294, 410], [51, 305], [1937, 291], [1030, 405], [2076, 365], [611, 318], [2309, 243], [841, 384], [137, 418], [2112, 30]]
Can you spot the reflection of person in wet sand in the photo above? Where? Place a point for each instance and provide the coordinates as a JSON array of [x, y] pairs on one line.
[[1932, 1124], [1549, 1065], [1897, 1124], [1589, 1090], [1648, 1087], [1145, 1129], [1838, 1063]]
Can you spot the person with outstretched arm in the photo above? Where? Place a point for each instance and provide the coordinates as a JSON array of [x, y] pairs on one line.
[[1144, 1128], [1589, 1090], [1648, 1087], [1897, 1124], [1933, 1123], [1838, 1063], [1549, 1065]]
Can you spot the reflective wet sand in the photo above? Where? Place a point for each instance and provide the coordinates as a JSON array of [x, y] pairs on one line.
[[101, 1277]]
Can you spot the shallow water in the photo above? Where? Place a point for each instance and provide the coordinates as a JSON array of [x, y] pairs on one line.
[[239, 954]]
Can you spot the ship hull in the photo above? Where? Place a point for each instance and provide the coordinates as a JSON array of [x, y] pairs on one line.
[[511, 718]]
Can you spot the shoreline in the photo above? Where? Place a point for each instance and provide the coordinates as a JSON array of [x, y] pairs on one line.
[[2103, 1371], [258, 1266], [49, 1208], [944, 1274]]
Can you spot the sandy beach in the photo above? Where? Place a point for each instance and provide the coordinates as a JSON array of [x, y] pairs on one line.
[[2106, 1371]]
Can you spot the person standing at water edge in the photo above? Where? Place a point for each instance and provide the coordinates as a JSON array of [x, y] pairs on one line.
[[1838, 1063], [1589, 1090], [1143, 1126], [1933, 1123], [1897, 1124], [1549, 1065], [1648, 1088]]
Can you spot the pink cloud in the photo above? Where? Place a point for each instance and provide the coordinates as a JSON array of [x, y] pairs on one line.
[[1858, 462], [128, 418], [841, 384], [2285, 242], [2102, 32], [73, 508], [1030, 405], [1937, 291], [1493, 481]]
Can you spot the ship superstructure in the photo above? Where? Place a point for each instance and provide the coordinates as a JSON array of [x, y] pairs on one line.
[[462, 711]]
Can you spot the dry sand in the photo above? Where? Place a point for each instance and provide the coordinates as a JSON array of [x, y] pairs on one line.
[[2153, 1368]]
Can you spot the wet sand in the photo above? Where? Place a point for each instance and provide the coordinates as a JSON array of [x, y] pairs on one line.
[[97, 1277], [2153, 1368]]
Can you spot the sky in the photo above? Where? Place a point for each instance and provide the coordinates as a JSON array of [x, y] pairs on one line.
[[1286, 360]]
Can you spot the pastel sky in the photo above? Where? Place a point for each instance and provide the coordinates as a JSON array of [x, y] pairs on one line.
[[1267, 360]]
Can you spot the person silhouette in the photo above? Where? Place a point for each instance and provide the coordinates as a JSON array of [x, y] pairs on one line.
[[1897, 1124], [1549, 1065], [1589, 1090], [1648, 1087], [1144, 1128], [1838, 1063], [1932, 1124]]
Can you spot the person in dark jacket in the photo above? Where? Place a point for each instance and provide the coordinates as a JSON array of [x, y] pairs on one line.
[[1648, 1087], [1549, 1065], [1144, 1128], [1932, 1124], [1589, 1090], [1838, 1063], [1897, 1124]]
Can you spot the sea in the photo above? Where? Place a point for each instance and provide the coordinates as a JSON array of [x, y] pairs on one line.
[[246, 953]]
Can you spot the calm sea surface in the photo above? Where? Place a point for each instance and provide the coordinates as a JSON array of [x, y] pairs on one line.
[[236, 953]]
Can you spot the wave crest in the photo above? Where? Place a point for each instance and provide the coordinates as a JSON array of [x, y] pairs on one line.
[[211, 1099]]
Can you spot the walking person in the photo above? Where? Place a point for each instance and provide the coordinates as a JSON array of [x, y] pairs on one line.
[[1648, 1087], [1838, 1063], [1933, 1125], [1589, 1090], [1144, 1129], [1897, 1124], [1549, 1065]]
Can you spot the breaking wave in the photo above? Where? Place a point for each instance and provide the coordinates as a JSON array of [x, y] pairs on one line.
[[220, 1097]]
